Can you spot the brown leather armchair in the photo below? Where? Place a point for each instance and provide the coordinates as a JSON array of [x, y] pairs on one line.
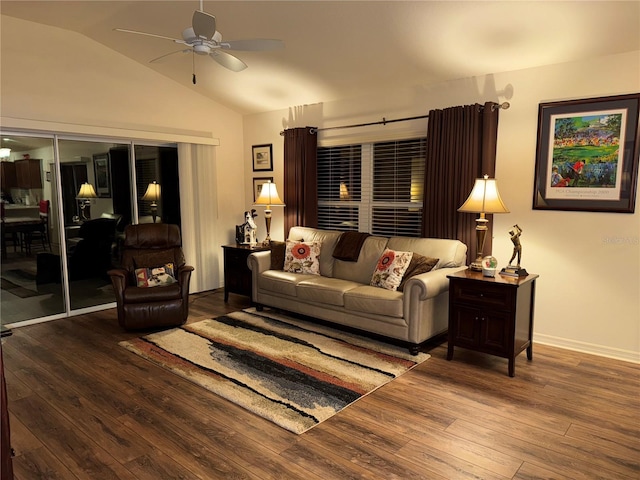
[[149, 246]]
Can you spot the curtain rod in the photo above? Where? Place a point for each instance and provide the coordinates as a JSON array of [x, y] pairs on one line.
[[384, 121]]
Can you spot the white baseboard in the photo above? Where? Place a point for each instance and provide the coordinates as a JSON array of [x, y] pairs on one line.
[[603, 351]]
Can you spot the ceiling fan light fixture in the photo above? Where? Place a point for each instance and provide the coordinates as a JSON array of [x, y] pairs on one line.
[[189, 35], [201, 49]]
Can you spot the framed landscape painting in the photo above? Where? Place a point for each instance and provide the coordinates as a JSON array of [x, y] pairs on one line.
[[587, 154]]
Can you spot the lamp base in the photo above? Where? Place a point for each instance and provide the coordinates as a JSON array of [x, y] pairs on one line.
[[476, 266], [514, 271], [267, 222]]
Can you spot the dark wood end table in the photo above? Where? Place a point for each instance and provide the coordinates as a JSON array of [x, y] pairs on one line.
[[237, 275], [492, 315]]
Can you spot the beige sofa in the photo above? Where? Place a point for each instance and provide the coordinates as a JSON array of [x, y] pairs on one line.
[[341, 293]]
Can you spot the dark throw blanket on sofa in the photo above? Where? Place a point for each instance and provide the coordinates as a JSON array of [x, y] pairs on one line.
[[349, 245]]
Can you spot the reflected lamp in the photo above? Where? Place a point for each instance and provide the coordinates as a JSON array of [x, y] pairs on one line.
[[86, 193], [484, 198], [268, 198], [344, 192], [152, 195]]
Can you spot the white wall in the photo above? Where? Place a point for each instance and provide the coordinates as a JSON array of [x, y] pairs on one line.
[[588, 294], [63, 77]]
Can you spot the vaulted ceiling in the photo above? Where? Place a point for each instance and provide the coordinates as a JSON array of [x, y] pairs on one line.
[[344, 49]]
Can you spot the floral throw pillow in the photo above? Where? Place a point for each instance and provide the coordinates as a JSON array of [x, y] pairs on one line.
[[390, 269], [155, 277], [302, 257]]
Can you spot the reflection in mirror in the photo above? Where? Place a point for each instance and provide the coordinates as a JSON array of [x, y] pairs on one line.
[[29, 230], [95, 182], [75, 214], [157, 184]]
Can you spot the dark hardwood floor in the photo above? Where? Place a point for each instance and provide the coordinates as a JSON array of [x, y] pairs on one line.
[[81, 407]]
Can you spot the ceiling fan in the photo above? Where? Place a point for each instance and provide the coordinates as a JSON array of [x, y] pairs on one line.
[[202, 38]]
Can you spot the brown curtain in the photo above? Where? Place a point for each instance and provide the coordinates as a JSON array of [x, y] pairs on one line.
[[461, 146], [300, 178]]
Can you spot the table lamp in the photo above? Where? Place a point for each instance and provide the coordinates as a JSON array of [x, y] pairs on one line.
[[86, 193], [484, 198], [268, 198], [152, 195]]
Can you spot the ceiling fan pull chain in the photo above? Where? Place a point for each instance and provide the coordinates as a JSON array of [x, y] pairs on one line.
[[193, 60]]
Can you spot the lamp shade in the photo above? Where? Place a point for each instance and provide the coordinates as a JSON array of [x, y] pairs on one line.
[[344, 192], [269, 196], [484, 198], [87, 191], [153, 192]]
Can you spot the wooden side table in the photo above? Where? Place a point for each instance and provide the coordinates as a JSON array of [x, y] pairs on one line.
[[492, 315], [237, 275]]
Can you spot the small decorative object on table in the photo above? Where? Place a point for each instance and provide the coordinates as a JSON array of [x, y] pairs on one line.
[[511, 269], [246, 233], [489, 266]]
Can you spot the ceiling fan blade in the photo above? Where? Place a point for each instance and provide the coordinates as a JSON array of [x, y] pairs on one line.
[[204, 24], [255, 44], [228, 61], [161, 58], [148, 34]]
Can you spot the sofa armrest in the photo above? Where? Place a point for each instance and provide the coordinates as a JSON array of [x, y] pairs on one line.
[[118, 278], [259, 262], [184, 278], [430, 284], [119, 281], [426, 303]]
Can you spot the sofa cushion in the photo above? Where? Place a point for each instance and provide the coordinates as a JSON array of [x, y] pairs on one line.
[[302, 257], [325, 290], [419, 264], [328, 238], [281, 282], [452, 253], [361, 270], [368, 299], [390, 269]]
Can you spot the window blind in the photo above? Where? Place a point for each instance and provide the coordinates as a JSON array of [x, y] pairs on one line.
[[375, 188], [339, 187], [397, 182]]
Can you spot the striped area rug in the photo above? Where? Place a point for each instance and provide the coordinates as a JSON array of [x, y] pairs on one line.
[[292, 372]]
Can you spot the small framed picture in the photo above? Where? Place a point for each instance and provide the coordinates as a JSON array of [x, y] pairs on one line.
[[587, 154], [102, 175], [257, 185], [262, 158]]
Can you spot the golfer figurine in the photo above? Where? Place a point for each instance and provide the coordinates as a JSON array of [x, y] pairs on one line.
[[515, 270], [515, 233]]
